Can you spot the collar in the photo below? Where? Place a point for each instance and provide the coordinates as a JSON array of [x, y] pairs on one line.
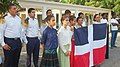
[[10, 15]]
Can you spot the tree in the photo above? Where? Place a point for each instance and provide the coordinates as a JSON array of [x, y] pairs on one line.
[[114, 5], [4, 6]]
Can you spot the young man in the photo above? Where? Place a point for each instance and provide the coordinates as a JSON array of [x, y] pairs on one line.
[[104, 18], [49, 12], [11, 42], [32, 35], [114, 29]]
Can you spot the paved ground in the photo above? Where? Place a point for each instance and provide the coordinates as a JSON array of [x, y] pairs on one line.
[[113, 61]]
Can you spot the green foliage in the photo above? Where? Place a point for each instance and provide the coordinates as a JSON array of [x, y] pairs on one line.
[[4, 5], [114, 5]]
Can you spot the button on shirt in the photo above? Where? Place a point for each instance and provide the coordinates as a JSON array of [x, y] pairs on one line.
[[64, 38], [33, 28], [12, 27]]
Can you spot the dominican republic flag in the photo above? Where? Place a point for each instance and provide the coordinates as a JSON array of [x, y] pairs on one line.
[[82, 48], [99, 43], [90, 45]]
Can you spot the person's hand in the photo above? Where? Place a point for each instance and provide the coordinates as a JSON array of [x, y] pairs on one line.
[[67, 53], [6, 47], [41, 46]]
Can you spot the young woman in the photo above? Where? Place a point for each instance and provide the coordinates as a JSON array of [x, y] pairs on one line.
[[64, 38], [50, 44], [79, 22], [96, 19], [72, 20]]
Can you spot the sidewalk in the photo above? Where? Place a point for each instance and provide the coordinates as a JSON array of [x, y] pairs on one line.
[[114, 59]]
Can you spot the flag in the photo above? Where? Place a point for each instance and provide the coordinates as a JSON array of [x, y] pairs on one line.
[[99, 43], [82, 48], [89, 46]]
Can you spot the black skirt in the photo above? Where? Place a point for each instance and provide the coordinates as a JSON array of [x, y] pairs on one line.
[[49, 59]]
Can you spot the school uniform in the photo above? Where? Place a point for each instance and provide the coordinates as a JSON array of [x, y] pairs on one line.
[[33, 42], [50, 41], [64, 38], [12, 37]]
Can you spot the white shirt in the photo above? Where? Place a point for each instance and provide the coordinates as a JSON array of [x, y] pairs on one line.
[[64, 38], [95, 22], [113, 27], [12, 27], [33, 28], [104, 21]]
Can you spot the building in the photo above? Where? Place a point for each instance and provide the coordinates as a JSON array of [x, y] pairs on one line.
[[58, 9]]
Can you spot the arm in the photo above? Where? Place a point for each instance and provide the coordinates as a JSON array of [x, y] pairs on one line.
[[5, 46], [23, 35], [60, 41]]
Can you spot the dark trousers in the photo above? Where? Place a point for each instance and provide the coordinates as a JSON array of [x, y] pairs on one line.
[[33, 48], [113, 38], [12, 56]]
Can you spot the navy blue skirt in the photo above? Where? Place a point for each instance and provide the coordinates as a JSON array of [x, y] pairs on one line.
[[49, 59]]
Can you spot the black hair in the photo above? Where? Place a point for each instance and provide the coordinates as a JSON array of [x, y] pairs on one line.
[[80, 14], [10, 5], [67, 11], [48, 11], [30, 10], [71, 18], [79, 18], [95, 17], [48, 18]]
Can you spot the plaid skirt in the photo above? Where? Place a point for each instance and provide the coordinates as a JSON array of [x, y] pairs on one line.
[[49, 59]]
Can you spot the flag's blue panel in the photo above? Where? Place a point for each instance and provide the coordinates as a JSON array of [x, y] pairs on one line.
[[81, 36], [99, 31]]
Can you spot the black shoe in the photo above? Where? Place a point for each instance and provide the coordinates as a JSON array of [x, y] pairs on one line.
[[111, 47], [115, 46]]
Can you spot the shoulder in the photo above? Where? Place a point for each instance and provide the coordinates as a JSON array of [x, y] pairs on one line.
[[60, 30], [46, 30]]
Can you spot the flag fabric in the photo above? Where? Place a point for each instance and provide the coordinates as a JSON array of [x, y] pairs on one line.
[[82, 48], [99, 43], [89, 46]]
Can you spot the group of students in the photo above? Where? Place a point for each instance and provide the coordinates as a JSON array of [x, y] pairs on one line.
[[56, 44]]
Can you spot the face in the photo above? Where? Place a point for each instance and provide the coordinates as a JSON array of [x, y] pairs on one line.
[[52, 22], [68, 14], [13, 10], [72, 23], [65, 22], [49, 13], [97, 18], [80, 21], [105, 16], [32, 14]]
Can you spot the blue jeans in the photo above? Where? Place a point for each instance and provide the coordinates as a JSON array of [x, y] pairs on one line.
[[113, 37]]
